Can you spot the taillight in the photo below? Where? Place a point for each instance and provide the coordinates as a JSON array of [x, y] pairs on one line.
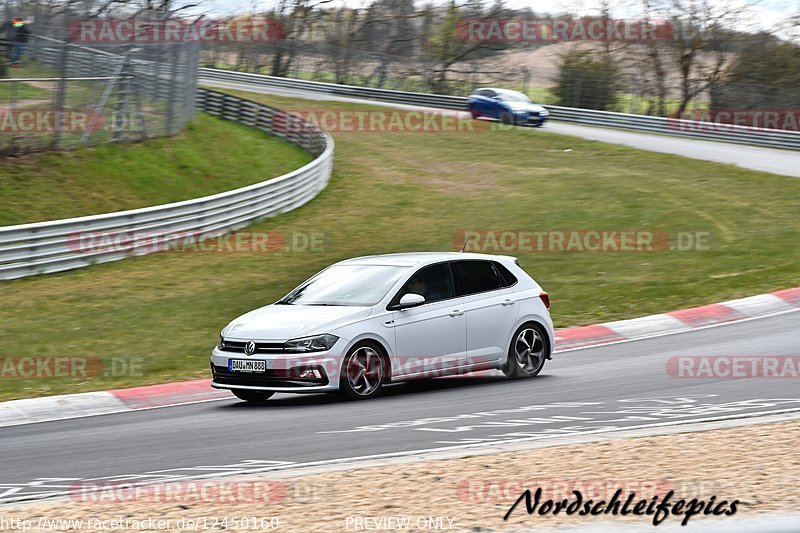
[[545, 299]]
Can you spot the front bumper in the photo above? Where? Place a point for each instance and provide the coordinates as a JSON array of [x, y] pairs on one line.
[[536, 120], [282, 373]]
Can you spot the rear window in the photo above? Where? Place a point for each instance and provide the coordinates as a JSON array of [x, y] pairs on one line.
[[506, 276], [476, 276]]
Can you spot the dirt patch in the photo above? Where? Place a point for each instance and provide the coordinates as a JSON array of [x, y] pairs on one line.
[[47, 85], [450, 177], [4, 108]]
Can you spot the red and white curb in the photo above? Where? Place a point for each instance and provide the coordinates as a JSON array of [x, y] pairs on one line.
[[678, 321], [67, 406]]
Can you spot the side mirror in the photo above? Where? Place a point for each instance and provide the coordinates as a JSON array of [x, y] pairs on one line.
[[410, 300]]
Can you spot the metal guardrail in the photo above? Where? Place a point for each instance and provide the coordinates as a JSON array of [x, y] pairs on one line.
[[351, 91], [54, 246], [770, 138]]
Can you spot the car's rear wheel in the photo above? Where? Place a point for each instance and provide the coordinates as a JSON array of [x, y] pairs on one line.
[[252, 396], [362, 372], [473, 112], [528, 351]]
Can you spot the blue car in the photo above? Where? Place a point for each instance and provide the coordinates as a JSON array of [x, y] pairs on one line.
[[509, 107]]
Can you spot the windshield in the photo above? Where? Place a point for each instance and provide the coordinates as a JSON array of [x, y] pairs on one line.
[[513, 96], [356, 285]]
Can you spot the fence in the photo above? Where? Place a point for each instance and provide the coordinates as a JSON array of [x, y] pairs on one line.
[[66, 95], [44, 247], [682, 128]]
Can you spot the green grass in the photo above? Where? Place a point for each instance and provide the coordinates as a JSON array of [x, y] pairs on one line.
[[414, 191], [78, 92], [17, 92], [212, 155]]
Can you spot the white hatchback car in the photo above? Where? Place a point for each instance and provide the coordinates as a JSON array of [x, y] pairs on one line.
[[368, 321]]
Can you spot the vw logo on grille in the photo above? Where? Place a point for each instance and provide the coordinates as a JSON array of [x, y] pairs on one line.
[[250, 348]]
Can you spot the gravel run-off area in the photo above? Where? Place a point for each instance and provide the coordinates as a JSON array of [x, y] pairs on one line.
[[757, 465]]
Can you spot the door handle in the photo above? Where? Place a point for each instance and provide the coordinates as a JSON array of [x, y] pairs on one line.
[[456, 312], [389, 323], [507, 302]]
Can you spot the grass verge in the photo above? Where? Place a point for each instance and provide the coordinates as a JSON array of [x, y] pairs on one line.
[[211, 155], [396, 192]]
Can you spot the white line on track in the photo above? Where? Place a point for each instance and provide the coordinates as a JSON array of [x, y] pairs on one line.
[[459, 451]]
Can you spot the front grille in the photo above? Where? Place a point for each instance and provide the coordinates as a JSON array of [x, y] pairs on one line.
[[261, 347], [270, 378]]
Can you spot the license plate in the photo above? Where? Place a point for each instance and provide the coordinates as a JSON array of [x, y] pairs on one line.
[[246, 365]]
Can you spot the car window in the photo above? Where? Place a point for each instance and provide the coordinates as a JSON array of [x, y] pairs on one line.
[[506, 276], [476, 276], [513, 96], [355, 285], [487, 93], [434, 283]]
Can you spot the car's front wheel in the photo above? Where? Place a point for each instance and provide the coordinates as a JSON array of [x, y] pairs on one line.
[[252, 396], [507, 117], [528, 351], [362, 372]]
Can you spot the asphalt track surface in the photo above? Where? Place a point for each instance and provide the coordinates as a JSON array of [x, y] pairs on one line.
[[784, 162], [604, 388]]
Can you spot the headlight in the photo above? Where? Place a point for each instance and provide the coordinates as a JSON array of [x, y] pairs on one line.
[[220, 342], [317, 343]]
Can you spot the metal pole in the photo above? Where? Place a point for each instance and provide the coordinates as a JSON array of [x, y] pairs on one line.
[[61, 91], [122, 102], [172, 88], [104, 99]]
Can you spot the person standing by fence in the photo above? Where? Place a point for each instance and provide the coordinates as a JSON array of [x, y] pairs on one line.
[[17, 34]]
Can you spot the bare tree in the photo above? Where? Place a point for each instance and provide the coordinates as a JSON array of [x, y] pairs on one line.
[[297, 17], [697, 48], [447, 47]]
